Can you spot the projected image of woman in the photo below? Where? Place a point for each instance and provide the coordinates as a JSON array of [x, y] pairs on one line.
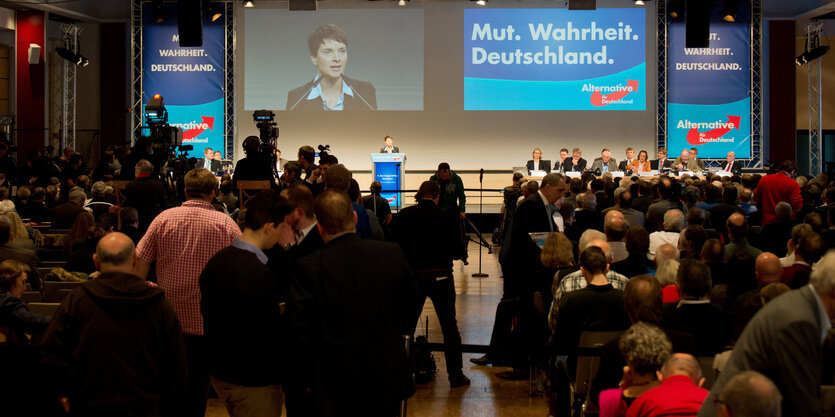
[[330, 89]]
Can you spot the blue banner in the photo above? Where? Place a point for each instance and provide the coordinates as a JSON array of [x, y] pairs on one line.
[[190, 80], [554, 59], [388, 174], [709, 90]]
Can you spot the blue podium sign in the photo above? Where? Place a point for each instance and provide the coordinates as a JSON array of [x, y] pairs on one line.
[[388, 169]]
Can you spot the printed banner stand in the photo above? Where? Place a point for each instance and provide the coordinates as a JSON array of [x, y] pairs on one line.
[[389, 169]]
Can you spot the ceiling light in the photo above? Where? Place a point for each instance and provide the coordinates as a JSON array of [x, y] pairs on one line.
[[728, 12], [481, 2], [402, 2], [639, 2], [213, 11], [249, 3]]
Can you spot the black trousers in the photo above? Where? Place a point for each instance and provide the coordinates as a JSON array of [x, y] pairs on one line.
[[197, 389], [440, 288]]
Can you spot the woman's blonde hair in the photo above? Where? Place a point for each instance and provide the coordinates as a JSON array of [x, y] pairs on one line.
[[557, 251]]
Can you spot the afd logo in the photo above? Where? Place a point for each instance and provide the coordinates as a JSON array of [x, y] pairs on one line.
[[194, 129], [716, 131], [615, 94]]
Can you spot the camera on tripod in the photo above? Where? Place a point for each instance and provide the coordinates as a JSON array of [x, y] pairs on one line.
[[267, 127], [163, 136], [324, 150]]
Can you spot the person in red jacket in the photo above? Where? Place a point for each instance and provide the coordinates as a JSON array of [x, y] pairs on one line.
[[680, 392], [774, 188]]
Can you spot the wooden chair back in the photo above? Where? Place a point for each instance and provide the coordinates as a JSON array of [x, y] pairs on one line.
[[247, 189]]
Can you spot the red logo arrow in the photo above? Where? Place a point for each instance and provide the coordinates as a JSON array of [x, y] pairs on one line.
[[193, 133], [598, 99], [694, 137]]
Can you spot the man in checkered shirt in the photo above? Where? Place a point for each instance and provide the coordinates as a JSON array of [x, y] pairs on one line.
[[182, 240], [575, 280]]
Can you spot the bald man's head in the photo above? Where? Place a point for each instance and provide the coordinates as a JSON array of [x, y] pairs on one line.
[[683, 364], [604, 246], [665, 252], [114, 249], [750, 394], [768, 268], [737, 226]]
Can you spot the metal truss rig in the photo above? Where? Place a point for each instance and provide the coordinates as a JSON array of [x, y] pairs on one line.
[[68, 90], [815, 85]]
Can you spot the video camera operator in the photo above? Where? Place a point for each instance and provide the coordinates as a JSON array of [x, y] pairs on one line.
[[255, 166]]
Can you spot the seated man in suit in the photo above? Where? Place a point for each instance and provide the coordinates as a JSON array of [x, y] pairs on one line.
[[576, 162], [389, 148], [662, 162], [538, 164], [686, 163], [605, 163], [559, 163], [208, 161], [694, 314], [630, 156], [694, 156], [330, 89], [729, 165]]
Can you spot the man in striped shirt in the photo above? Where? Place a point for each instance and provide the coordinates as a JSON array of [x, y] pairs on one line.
[[182, 240]]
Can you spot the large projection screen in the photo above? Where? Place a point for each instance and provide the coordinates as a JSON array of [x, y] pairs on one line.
[[410, 61]]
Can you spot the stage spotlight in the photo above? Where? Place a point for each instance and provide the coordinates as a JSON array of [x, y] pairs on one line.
[[249, 3], [402, 2], [675, 8], [212, 10], [811, 55], [155, 112], [160, 12], [728, 12], [638, 2], [480, 2]]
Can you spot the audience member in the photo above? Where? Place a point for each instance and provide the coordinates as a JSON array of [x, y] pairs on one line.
[[645, 348], [738, 234], [586, 216], [615, 229], [679, 394], [596, 307], [361, 367], [80, 259], [673, 224], [694, 314], [16, 319], [182, 240], [100, 206], [713, 255], [666, 276], [784, 340], [637, 247], [65, 214], [240, 304], [695, 237], [338, 178], [22, 237], [78, 232], [25, 256], [777, 187], [425, 234], [774, 235], [115, 344], [749, 394], [227, 196], [378, 205], [720, 212], [791, 245], [808, 251], [129, 219], [146, 194]]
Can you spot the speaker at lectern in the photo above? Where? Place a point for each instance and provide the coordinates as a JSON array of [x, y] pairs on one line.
[[389, 169]]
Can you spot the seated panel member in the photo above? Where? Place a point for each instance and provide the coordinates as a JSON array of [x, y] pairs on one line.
[[563, 156], [389, 148], [730, 164], [641, 164], [576, 162], [605, 163], [686, 163], [537, 163], [331, 89], [630, 156], [662, 162], [694, 156]]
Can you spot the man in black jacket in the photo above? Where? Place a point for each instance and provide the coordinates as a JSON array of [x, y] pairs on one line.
[[146, 194], [240, 303], [427, 236], [115, 343], [350, 304]]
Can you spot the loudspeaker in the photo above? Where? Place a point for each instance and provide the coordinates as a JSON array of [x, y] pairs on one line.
[[302, 4], [582, 4], [34, 53], [190, 22], [697, 23]]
